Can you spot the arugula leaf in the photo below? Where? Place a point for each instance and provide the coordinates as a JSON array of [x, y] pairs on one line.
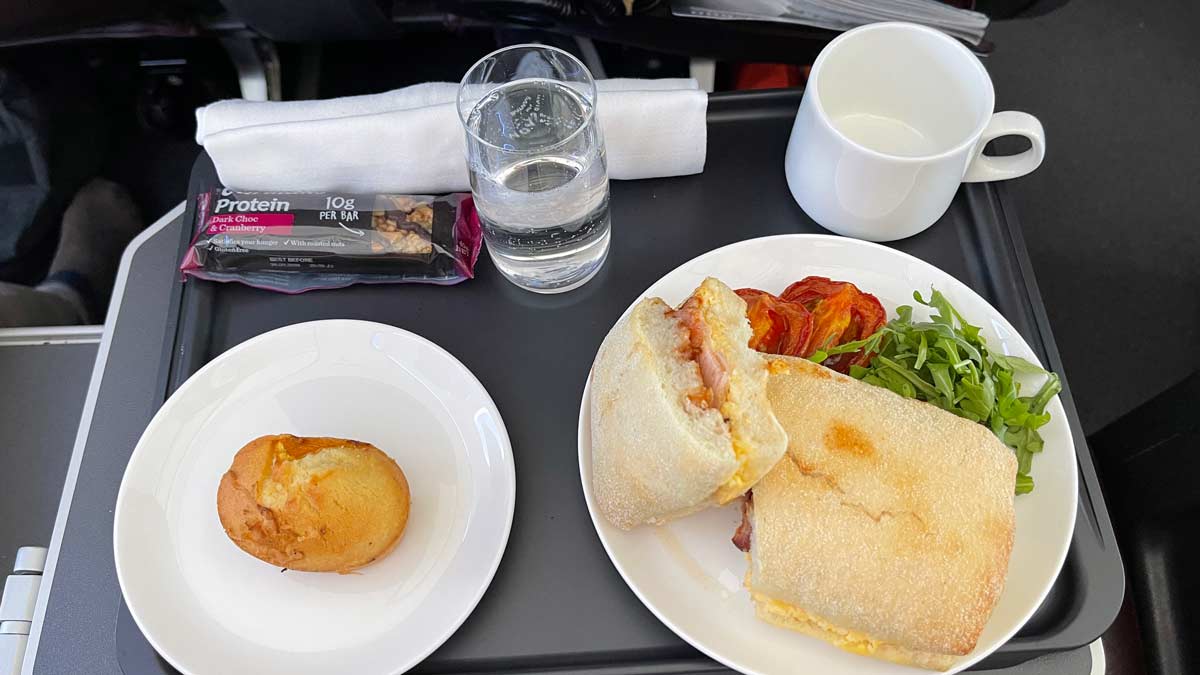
[[941, 379], [1018, 364], [947, 314], [908, 374], [945, 361], [1024, 483], [1051, 387]]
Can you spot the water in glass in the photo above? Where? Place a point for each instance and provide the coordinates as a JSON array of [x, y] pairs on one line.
[[542, 194]]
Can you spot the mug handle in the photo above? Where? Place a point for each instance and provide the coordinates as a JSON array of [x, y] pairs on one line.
[[1008, 123]]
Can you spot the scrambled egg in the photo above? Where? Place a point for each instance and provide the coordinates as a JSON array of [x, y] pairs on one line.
[[738, 482], [793, 617]]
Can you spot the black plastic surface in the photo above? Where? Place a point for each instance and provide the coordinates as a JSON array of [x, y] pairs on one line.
[[556, 601], [314, 19], [36, 437], [78, 632], [1152, 456]]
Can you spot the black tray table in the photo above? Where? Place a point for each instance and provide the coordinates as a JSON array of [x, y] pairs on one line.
[[556, 604]]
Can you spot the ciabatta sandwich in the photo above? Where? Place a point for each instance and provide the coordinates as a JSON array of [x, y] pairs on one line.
[[679, 412], [886, 528]]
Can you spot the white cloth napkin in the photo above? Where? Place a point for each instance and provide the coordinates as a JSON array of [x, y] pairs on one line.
[[410, 140]]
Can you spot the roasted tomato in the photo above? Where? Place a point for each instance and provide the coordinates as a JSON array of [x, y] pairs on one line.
[[778, 327], [812, 314], [841, 313], [811, 290]]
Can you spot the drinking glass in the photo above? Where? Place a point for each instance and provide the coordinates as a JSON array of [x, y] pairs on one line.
[[536, 160]]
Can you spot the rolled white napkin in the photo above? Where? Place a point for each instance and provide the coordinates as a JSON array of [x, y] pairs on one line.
[[411, 140]]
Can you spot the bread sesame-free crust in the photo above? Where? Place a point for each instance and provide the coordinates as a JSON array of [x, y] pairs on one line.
[[655, 456], [313, 504], [887, 516]]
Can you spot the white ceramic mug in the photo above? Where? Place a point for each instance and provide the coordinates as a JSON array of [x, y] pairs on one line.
[[894, 117]]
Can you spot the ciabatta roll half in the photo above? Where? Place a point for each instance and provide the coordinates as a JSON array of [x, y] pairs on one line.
[[680, 418]]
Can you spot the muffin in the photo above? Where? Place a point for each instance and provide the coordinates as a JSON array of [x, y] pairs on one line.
[[313, 504]]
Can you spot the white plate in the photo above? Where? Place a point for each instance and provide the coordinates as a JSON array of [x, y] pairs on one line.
[[208, 607], [690, 575]]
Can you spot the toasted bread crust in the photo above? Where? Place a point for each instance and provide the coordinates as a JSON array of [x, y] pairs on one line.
[[888, 516], [759, 440], [772, 613], [655, 455]]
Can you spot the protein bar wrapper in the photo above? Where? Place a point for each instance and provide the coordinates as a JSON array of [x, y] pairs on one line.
[[299, 241]]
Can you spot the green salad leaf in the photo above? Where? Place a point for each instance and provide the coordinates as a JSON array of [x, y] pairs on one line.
[[945, 361]]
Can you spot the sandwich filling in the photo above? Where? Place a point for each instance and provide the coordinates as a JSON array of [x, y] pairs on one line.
[[789, 616], [792, 617], [741, 538], [700, 349]]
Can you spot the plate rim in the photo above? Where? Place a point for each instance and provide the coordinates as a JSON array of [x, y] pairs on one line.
[[509, 475], [966, 661]]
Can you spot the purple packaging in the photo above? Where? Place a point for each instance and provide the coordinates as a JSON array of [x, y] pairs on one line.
[[299, 241]]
